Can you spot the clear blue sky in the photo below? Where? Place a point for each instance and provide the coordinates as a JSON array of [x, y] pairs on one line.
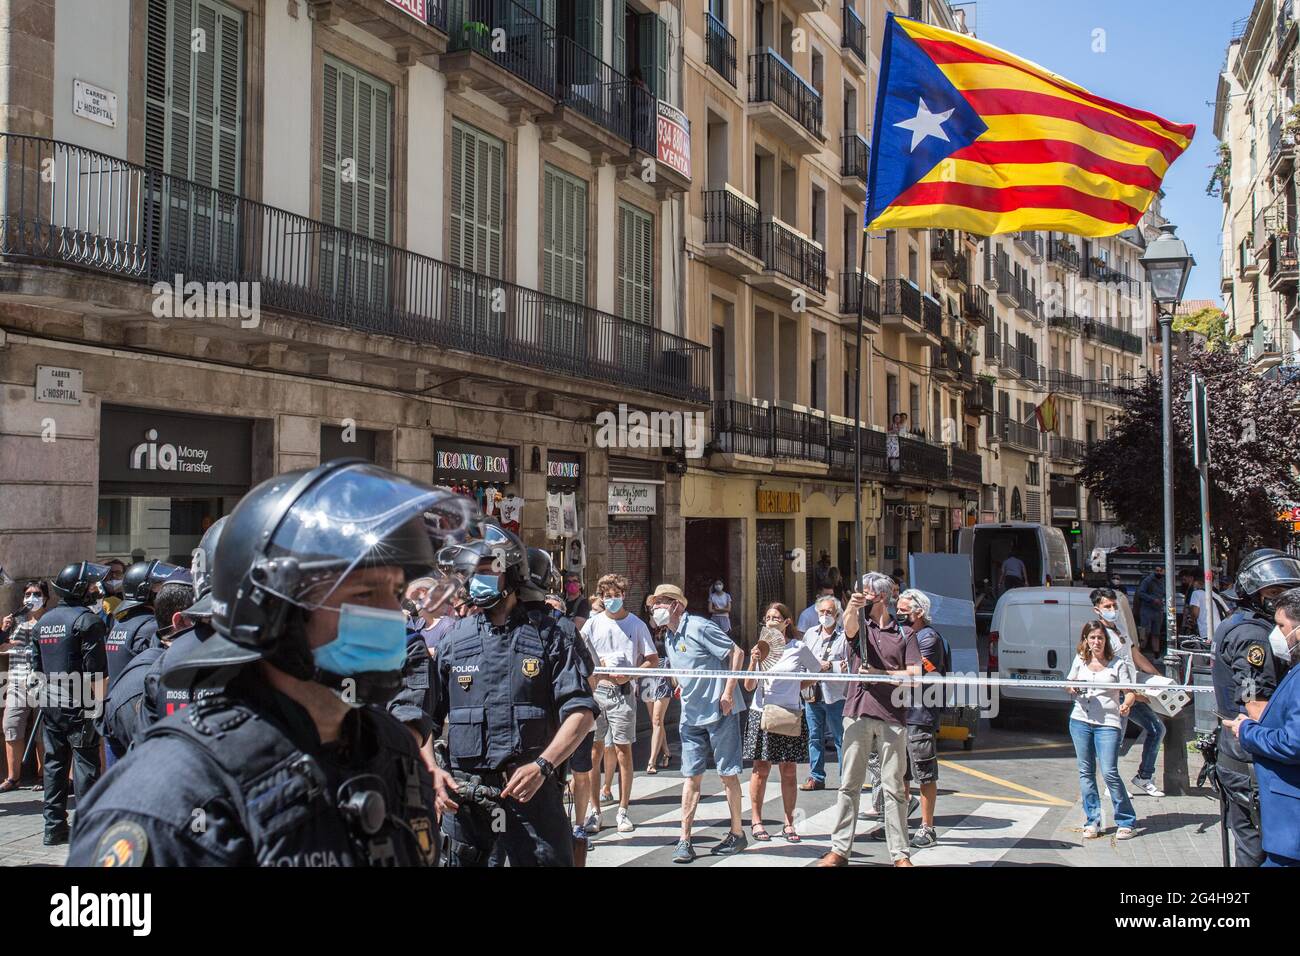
[[1160, 55]]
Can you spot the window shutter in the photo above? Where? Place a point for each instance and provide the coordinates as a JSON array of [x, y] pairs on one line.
[[477, 200], [565, 237], [329, 144], [157, 44], [455, 239], [660, 85], [205, 97], [229, 100], [597, 45], [636, 265], [619, 57], [550, 268]]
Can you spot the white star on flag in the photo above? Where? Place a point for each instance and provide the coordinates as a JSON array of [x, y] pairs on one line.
[[924, 124]]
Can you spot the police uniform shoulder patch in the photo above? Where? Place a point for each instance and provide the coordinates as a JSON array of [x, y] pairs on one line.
[[123, 844], [424, 837], [532, 666], [1255, 655]]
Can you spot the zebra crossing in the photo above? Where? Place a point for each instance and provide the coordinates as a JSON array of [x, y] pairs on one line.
[[972, 832]]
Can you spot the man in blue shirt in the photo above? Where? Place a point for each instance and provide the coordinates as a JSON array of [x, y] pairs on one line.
[[711, 711], [1274, 742]]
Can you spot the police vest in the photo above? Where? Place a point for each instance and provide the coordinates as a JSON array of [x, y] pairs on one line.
[[1225, 682], [123, 718], [501, 709], [293, 814], [122, 642]]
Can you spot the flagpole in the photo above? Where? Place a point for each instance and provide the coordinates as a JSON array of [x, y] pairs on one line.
[[857, 417]]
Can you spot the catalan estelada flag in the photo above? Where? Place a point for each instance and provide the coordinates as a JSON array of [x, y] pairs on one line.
[[969, 137]]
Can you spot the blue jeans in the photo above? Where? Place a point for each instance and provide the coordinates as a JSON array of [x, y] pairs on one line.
[[819, 715], [1150, 721], [1095, 745]]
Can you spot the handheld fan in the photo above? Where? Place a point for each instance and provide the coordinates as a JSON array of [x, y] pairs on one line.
[[770, 647]]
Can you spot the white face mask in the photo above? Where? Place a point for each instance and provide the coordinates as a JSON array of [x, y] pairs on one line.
[[1282, 650], [828, 620], [660, 616], [1109, 615], [717, 588], [34, 602]]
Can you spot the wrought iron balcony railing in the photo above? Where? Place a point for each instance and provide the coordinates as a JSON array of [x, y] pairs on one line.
[[719, 48], [790, 254], [1109, 335], [979, 400], [772, 80], [850, 284], [920, 459], [975, 305], [1022, 364], [1066, 449], [525, 46], [1059, 380], [729, 218], [591, 87], [1018, 434], [1282, 263], [856, 153], [1064, 253], [853, 32], [744, 427], [966, 466], [902, 298], [63, 205], [932, 316], [1067, 323]]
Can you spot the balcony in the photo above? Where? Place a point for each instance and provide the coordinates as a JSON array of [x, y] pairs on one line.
[[1019, 435], [949, 363], [1020, 364], [349, 294], [1115, 338], [920, 459], [1281, 149], [901, 309], [1064, 254], [1066, 449], [1282, 265], [783, 104], [1111, 393], [965, 466], [719, 48], [529, 54], [853, 37], [975, 306], [979, 400], [1005, 282], [932, 317], [1028, 305], [948, 261], [855, 163], [1098, 271], [413, 36], [991, 267], [599, 109], [731, 233], [746, 428], [791, 262], [1059, 380], [850, 286], [992, 348], [1247, 262], [1071, 324], [1031, 242], [1284, 36]]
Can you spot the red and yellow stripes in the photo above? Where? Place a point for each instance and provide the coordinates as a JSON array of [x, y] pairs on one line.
[[1054, 156]]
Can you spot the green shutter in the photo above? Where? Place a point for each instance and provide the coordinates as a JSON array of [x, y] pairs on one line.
[[356, 121], [477, 200], [597, 44], [652, 53], [635, 265], [564, 252], [619, 57], [661, 61]]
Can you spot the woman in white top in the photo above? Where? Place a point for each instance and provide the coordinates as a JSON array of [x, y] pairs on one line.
[[778, 700], [17, 637], [720, 607], [1095, 726]]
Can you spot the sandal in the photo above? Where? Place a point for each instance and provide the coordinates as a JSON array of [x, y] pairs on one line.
[[759, 833], [791, 834], [666, 759], [651, 770], [9, 785]]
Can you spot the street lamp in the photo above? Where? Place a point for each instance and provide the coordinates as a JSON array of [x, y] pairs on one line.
[[1167, 264]]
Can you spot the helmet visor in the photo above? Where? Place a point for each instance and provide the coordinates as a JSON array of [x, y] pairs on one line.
[[362, 517], [1272, 572]]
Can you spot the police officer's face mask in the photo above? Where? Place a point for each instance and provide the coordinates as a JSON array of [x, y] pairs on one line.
[[370, 640], [484, 588]]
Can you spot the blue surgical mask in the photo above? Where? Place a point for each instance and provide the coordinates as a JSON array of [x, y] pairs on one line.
[[613, 605], [370, 639], [484, 587], [1109, 615]]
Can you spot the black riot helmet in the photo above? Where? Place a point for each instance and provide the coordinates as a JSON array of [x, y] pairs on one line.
[[501, 566], [541, 571], [458, 560], [292, 541], [1265, 568], [202, 561], [143, 577], [74, 583]]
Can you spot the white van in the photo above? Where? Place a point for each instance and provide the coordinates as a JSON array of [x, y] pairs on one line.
[[1035, 635], [1041, 547]]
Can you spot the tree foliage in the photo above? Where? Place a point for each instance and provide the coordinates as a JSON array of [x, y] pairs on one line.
[[1254, 447], [1211, 322]]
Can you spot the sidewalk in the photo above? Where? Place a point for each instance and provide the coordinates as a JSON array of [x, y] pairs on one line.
[[21, 829]]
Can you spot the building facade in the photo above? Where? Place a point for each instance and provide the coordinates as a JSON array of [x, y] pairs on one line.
[[1256, 122]]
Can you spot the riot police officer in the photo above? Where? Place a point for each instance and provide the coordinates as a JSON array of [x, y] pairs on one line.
[[1245, 675], [69, 654], [133, 625], [294, 761], [512, 688]]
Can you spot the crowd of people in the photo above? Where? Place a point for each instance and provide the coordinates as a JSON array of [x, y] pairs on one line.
[[428, 688]]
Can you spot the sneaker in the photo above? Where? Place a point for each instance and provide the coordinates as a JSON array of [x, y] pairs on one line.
[[731, 844], [1090, 832], [592, 823], [625, 825], [1147, 785], [925, 837], [684, 853], [1124, 833]]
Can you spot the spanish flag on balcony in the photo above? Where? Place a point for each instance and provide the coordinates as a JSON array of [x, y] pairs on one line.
[[969, 137], [1047, 414]]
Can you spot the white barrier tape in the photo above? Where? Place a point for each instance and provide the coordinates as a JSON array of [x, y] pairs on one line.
[[946, 680]]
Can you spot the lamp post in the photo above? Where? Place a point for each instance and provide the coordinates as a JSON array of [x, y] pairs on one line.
[[1167, 264]]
